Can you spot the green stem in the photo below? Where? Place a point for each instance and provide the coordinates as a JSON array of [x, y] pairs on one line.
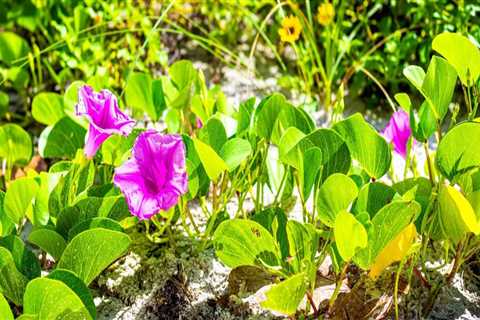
[[429, 163], [338, 285]]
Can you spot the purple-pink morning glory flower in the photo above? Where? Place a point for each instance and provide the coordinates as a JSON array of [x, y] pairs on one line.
[[155, 176], [101, 109], [398, 132]]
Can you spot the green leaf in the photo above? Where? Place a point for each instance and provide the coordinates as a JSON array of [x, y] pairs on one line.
[[244, 115], [98, 222], [77, 286], [275, 221], [385, 226], [47, 108], [4, 103], [91, 251], [182, 73], [15, 144], [422, 191], [461, 53], [241, 242], [50, 299], [12, 47], [350, 235], [12, 281], [62, 140], [439, 85], [312, 163], [404, 101], [366, 145], [289, 148], [289, 117], [49, 241], [145, 95], [455, 216], [287, 295], [19, 198], [6, 224], [213, 134], [70, 100], [267, 113], [234, 152], [114, 207], [25, 261], [211, 161], [372, 197], [335, 195], [415, 75], [458, 152], [71, 186], [5, 309], [302, 244]]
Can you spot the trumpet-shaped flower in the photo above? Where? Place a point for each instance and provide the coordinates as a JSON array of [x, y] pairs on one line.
[[101, 109], [155, 176], [290, 30], [398, 132]]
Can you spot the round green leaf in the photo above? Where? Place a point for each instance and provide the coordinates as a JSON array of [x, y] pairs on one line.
[[241, 242], [15, 144], [47, 108], [62, 140], [49, 241], [12, 281], [12, 47], [462, 54], [335, 195], [77, 286], [234, 151], [458, 150], [365, 144], [19, 197], [91, 251], [50, 299]]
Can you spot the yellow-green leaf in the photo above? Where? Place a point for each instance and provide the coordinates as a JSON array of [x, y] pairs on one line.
[[455, 216], [213, 164], [395, 251], [349, 235]]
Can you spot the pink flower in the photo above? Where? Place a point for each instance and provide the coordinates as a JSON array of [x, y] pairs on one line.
[[198, 123], [398, 132], [101, 109], [155, 176]]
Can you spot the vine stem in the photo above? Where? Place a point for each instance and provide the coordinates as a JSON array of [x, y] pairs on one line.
[[334, 296], [429, 163], [456, 263], [312, 303]]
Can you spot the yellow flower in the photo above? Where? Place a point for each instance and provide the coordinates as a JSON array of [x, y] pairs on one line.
[[325, 14], [291, 29]]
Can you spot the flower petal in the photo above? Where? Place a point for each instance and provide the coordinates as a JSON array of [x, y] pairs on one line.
[[94, 140]]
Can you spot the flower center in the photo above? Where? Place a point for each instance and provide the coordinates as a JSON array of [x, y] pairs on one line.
[[151, 185]]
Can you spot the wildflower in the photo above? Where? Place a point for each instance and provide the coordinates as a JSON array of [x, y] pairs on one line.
[[325, 13], [398, 132], [155, 176], [290, 30], [101, 109]]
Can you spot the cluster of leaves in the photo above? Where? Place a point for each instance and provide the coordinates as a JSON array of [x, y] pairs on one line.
[[355, 218]]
